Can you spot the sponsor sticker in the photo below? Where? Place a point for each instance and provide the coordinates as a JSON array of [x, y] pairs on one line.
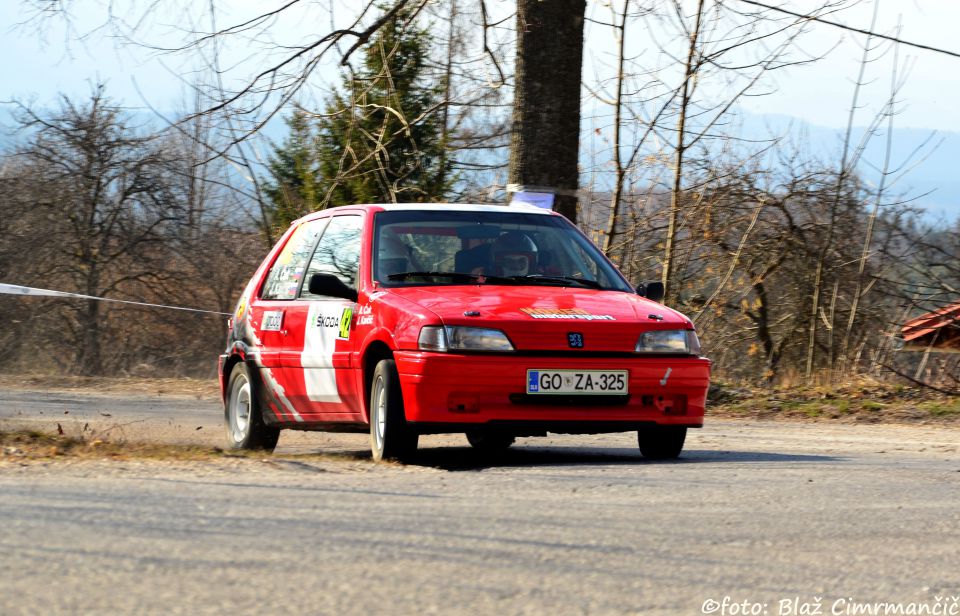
[[576, 314], [272, 321], [323, 320], [345, 319], [341, 323], [365, 312]]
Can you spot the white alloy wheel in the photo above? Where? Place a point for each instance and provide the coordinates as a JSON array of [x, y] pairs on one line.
[[391, 438], [239, 409], [379, 412], [243, 420]]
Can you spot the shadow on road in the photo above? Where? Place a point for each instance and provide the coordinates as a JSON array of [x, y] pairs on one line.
[[466, 459]]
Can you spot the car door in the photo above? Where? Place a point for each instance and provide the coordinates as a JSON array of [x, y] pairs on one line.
[[318, 348], [270, 312]]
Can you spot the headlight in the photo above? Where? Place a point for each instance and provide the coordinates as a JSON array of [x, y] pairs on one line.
[[680, 341], [455, 338], [432, 339]]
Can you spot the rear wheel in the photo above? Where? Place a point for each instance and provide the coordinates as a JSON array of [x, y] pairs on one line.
[[391, 438], [490, 442], [661, 442], [244, 421]]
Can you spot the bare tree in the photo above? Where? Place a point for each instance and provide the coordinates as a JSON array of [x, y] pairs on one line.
[[862, 287], [108, 203], [846, 164], [668, 115]]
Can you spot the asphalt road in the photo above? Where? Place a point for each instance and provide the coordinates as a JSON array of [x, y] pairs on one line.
[[790, 518]]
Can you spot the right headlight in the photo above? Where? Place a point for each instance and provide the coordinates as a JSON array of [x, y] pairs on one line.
[[674, 341], [454, 338]]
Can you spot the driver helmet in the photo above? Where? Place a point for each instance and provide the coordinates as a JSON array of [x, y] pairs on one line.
[[515, 254]]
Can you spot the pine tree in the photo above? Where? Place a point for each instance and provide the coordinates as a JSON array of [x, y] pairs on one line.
[[381, 138], [293, 189]]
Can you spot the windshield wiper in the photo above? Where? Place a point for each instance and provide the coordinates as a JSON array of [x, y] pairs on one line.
[[453, 276], [593, 284]]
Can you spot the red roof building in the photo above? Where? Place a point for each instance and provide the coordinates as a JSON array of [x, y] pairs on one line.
[[938, 331]]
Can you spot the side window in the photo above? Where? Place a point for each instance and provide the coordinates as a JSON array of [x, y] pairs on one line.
[[287, 270], [338, 252]]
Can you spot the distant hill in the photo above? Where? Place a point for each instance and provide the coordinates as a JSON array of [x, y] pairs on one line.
[[926, 159], [931, 178], [140, 119]]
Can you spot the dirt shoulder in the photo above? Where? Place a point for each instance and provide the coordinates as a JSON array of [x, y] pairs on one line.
[[207, 389]]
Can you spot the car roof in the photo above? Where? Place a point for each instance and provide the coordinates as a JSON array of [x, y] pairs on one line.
[[450, 207]]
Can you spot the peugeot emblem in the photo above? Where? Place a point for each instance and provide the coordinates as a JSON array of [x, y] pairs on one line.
[[575, 339]]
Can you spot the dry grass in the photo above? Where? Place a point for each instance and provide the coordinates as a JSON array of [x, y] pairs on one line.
[[180, 387], [862, 400], [35, 445], [26, 447]]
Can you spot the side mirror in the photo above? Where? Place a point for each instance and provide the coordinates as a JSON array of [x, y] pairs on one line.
[[651, 290], [331, 286]]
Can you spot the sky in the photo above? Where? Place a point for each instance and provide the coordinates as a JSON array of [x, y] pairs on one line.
[[820, 93], [41, 63], [38, 66], [53, 59]]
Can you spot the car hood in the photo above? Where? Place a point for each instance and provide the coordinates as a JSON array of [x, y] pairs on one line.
[[539, 318]]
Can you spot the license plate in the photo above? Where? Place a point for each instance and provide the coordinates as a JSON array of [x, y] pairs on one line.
[[577, 381]]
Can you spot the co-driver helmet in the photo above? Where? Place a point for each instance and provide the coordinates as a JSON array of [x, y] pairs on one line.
[[515, 254]]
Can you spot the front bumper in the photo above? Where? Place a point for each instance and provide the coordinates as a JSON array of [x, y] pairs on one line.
[[447, 388]]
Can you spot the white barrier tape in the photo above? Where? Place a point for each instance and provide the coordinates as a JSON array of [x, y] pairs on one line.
[[13, 289]]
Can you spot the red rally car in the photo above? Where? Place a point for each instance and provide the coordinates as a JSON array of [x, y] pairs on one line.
[[493, 321]]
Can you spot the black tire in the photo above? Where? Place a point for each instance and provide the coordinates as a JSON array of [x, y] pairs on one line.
[[661, 442], [390, 436], [242, 414], [490, 442]]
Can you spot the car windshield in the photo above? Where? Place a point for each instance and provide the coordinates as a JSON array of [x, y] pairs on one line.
[[443, 247]]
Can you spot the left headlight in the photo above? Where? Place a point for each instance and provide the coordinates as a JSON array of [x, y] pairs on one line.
[[453, 338], [679, 341]]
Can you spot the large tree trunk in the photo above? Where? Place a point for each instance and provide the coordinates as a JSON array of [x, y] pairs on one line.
[[545, 131]]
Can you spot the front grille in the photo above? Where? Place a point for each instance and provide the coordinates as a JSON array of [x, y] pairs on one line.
[[570, 400], [580, 353]]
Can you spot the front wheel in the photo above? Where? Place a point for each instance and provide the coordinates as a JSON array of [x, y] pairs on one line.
[[244, 422], [391, 438], [661, 442]]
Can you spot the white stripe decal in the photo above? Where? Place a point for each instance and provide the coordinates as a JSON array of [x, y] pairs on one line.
[[319, 341], [666, 376]]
